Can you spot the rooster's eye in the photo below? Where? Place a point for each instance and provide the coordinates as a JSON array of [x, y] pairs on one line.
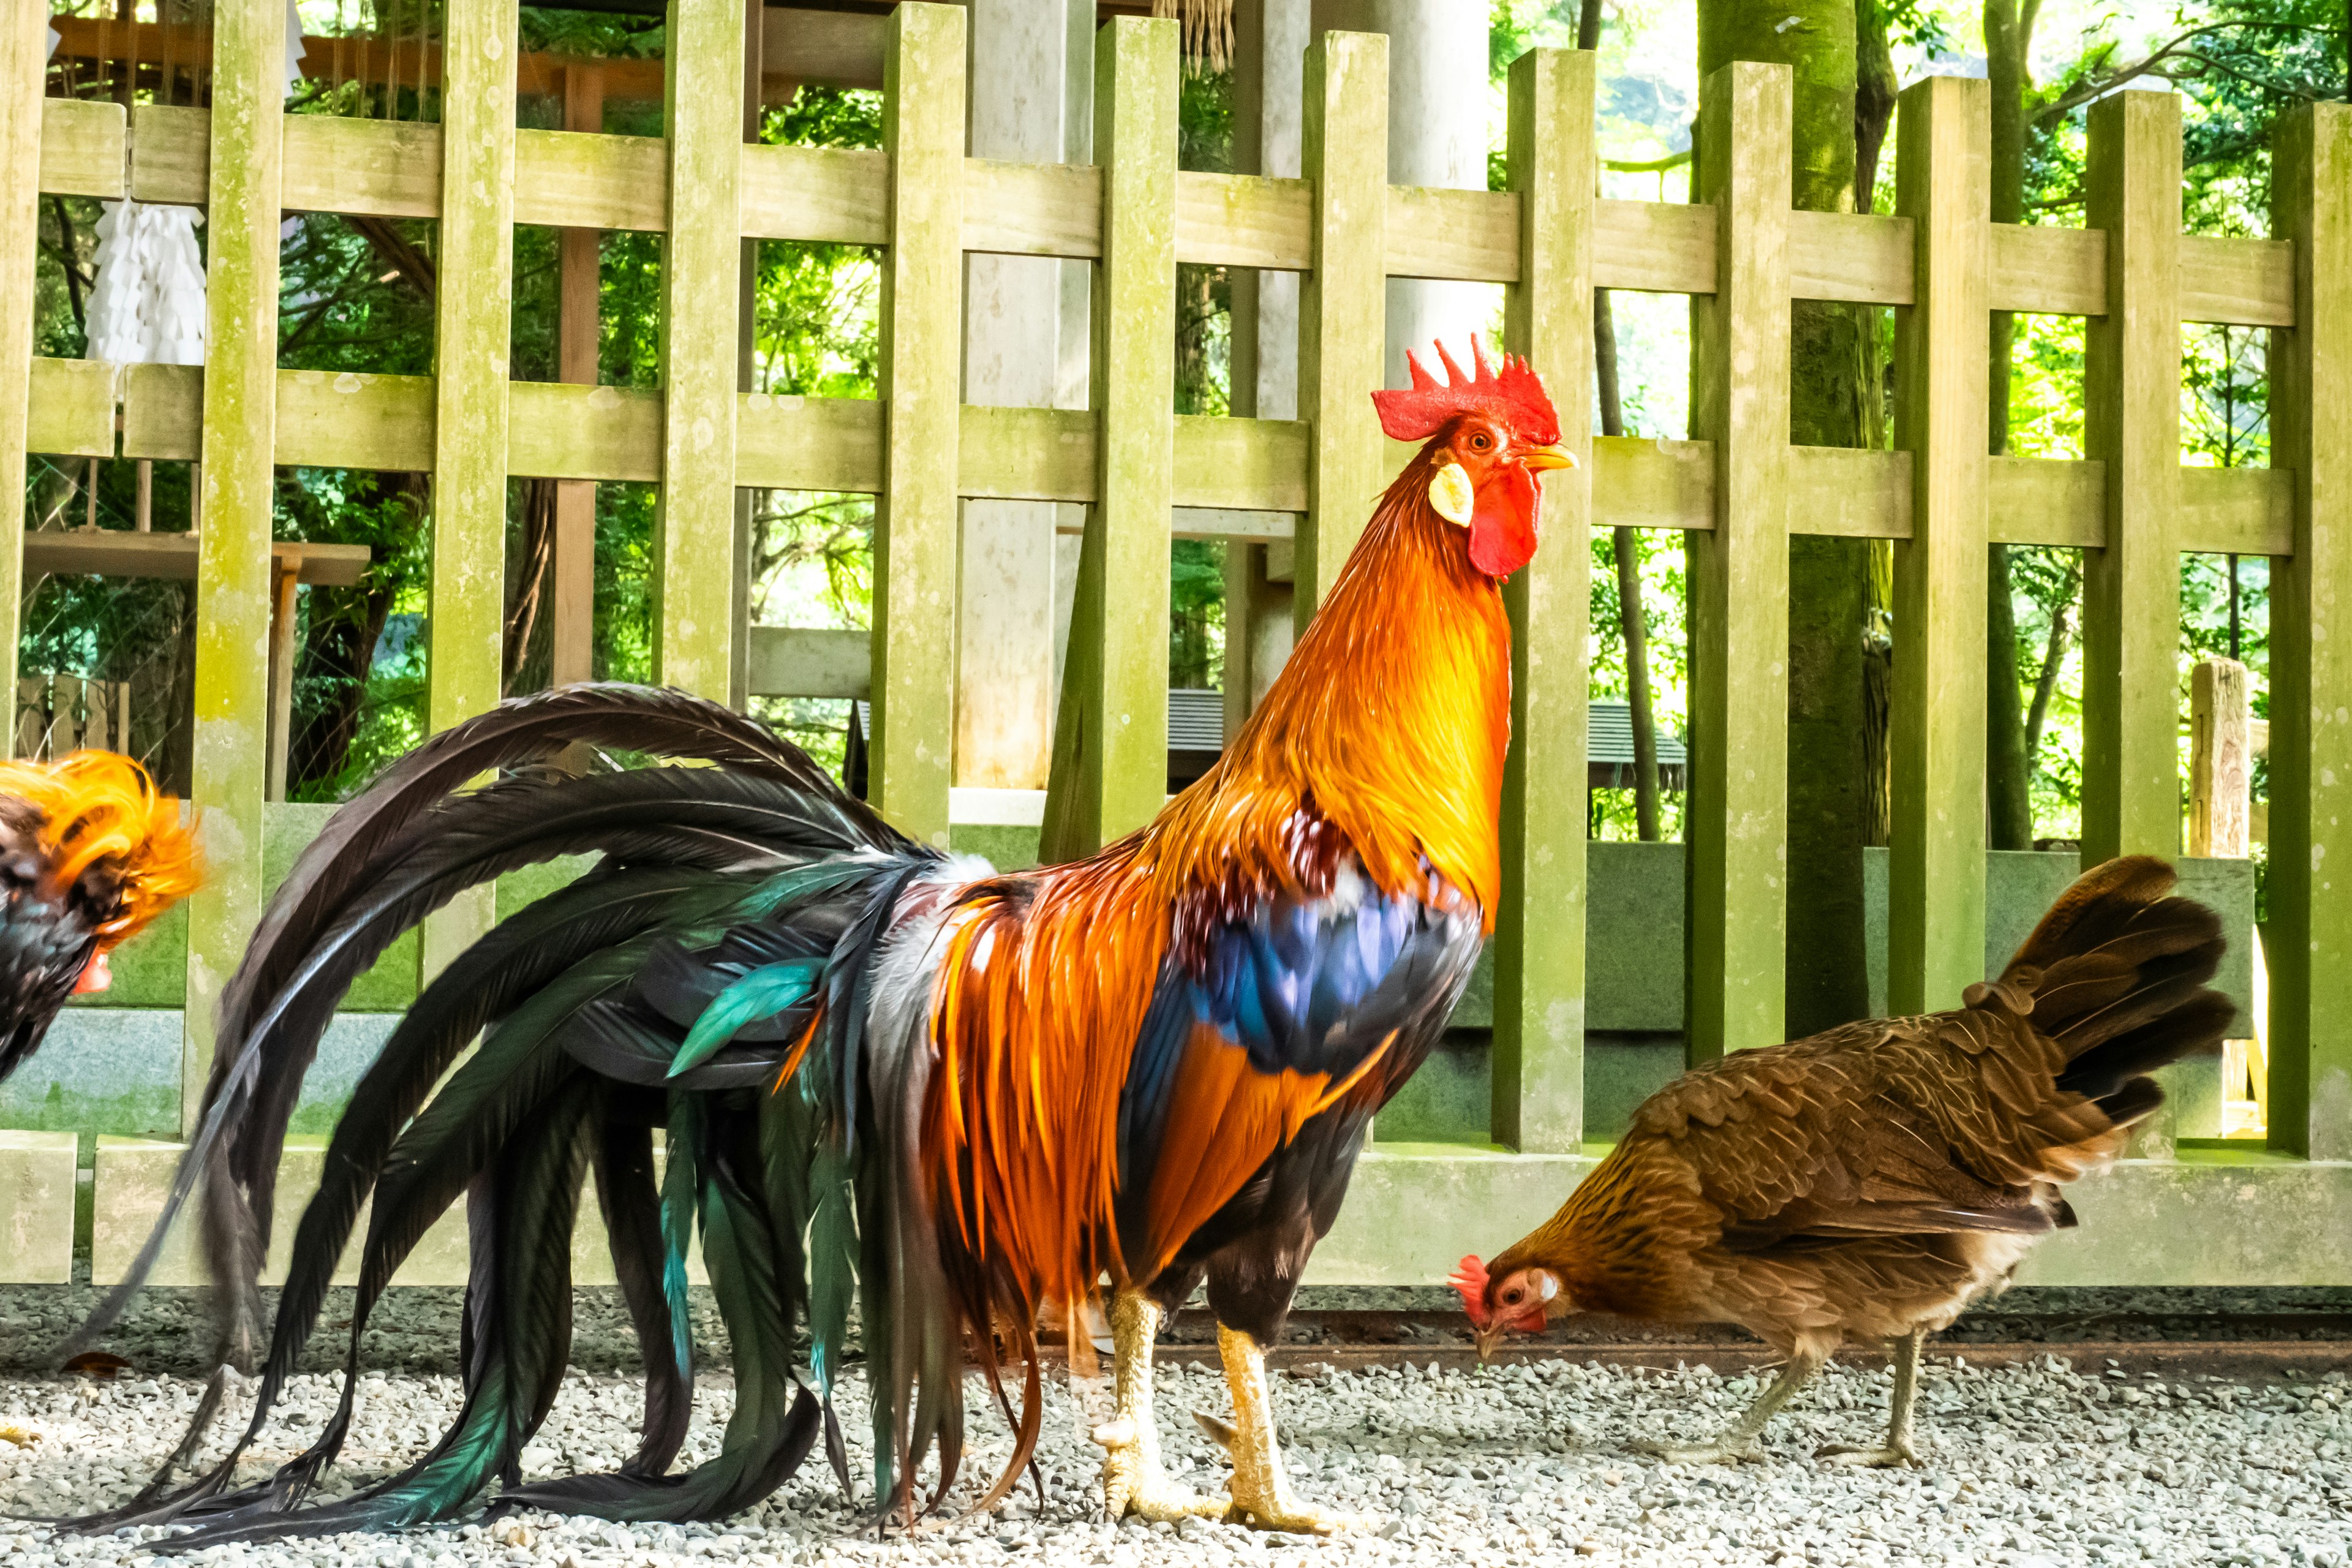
[[1481, 441]]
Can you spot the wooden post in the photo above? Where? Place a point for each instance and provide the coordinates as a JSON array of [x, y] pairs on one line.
[[571, 573], [24, 53], [2220, 759], [1110, 741], [282, 647], [472, 327], [694, 561], [2309, 943], [228, 769], [1537, 1098], [921, 331], [747, 345], [2131, 422], [1343, 304], [1935, 884], [1737, 813]]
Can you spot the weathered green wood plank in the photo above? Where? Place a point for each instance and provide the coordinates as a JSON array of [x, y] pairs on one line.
[[472, 326], [351, 421], [77, 145], [170, 154], [23, 54], [389, 168], [1653, 247], [1737, 813], [2236, 511], [1110, 739], [2309, 945], [163, 412], [2047, 501], [575, 179], [693, 557], [1434, 232], [2043, 270], [1245, 220], [2131, 422], [1935, 886], [1537, 1098], [916, 520], [233, 599], [1342, 303], [1028, 453], [70, 408], [566, 431], [1251, 464], [2242, 282], [836, 194]]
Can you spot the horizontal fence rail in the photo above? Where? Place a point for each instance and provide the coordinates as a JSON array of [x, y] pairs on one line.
[[1737, 488]]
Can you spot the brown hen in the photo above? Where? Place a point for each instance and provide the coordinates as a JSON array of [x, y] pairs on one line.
[[1868, 1183]]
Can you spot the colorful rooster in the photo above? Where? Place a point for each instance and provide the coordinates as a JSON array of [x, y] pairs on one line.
[[88, 855], [882, 1071]]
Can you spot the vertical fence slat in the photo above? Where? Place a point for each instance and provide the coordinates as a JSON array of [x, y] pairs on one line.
[[24, 51], [1738, 816], [921, 349], [1110, 750], [1538, 1100], [240, 429], [472, 329], [1935, 884], [2309, 945], [701, 261], [2131, 421], [1342, 303]]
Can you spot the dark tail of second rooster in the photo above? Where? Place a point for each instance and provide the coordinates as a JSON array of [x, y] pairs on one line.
[[2117, 971]]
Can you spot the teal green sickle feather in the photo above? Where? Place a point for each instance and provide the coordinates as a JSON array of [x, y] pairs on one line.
[[762, 994]]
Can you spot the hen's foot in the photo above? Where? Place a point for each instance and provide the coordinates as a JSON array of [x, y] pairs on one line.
[[1133, 1482], [1889, 1457], [1719, 1453], [22, 1436]]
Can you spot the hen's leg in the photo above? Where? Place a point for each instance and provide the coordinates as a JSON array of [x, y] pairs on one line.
[[1738, 1441], [1898, 1449], [1261, 1490], [1133, 1481]]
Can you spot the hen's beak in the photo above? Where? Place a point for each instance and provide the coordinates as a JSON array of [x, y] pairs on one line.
[[1543, 458], [1489, 1337]]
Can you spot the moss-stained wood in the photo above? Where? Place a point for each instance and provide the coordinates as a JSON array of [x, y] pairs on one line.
[[24, 51], [1342, 303], [76, 145], [1738, 813], [1110, 740], [472, 325], [2309, 945], [2131, 422], [69, 407], [1935, 890], [915, 521], [694, 561], [240, 419], [1537, 1098]]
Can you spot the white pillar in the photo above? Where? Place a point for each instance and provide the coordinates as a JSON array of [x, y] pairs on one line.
[[1014, 337], [1440, 109]]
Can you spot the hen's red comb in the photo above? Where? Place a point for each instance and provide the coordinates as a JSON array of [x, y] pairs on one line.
[[1513, 395], [1469, 1281]]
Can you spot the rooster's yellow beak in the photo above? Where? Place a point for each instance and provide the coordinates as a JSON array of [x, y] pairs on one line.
[[1543, 458]]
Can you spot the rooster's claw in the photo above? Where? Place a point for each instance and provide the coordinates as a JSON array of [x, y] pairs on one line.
[[1885, 1458]]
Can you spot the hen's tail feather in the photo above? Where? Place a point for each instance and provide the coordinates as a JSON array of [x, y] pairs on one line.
[[2116, 971]]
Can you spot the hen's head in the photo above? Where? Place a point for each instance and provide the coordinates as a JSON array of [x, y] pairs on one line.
[[88, 855], [1490, 435], [1522, 1298]]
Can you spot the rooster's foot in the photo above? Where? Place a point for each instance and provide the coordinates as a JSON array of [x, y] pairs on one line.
[[22, 1436], [1133, 1482], [1890, 1458], [1285, 1513], [1723, 1453]]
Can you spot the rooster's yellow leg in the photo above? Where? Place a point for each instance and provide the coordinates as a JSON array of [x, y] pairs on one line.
[[1133, 1481], [1738, 1440], [1898, 1449], [1261, 1490]]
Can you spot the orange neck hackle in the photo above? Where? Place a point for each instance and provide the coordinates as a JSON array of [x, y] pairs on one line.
[[97, 806]]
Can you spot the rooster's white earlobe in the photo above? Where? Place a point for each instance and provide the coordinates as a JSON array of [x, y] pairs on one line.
[[1450, 493]]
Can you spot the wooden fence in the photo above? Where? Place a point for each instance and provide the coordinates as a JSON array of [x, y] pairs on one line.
[[1739, 251]]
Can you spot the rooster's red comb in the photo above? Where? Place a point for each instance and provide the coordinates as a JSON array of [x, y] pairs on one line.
[[1469, 1282], [1515, 395]]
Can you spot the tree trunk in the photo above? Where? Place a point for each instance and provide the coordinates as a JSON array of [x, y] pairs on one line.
[[1829, 788], [2008, 802]]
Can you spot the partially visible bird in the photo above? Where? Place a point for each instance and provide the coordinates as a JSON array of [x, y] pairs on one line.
[[90, 854], [883, 1073], [1868, 1183]]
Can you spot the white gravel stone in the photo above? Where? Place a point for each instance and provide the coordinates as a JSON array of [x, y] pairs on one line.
[[2025, 1467]]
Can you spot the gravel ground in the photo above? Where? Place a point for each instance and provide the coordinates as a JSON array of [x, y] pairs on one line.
[[2027, 1465]]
